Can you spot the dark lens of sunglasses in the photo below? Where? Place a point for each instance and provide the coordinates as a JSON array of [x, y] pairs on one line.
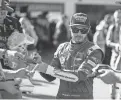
[[84, 31], [76, 30]]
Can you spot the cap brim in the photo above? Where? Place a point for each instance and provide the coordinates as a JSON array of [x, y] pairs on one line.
[[79, 25]]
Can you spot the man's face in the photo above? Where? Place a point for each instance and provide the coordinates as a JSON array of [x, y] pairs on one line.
[[3, 14], [78, 33]]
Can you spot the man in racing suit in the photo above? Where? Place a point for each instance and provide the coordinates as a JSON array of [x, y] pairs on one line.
[[73, 61]]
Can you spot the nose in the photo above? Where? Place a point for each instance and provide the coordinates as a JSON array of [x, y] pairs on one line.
[[79, 33]]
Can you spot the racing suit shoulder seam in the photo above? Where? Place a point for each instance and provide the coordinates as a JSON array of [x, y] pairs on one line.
[[94, 48]]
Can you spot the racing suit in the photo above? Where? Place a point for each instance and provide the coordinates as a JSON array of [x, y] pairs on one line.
[[78, 59]]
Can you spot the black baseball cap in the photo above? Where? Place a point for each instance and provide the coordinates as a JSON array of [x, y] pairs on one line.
[[80, 19]]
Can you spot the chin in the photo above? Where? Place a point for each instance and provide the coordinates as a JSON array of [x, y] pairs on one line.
[[79, 41]]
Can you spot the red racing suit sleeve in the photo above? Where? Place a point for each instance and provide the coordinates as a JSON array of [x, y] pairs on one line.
[[89, 63]]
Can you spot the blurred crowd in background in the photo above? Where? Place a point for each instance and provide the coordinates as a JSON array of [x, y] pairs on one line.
[[48, 33]]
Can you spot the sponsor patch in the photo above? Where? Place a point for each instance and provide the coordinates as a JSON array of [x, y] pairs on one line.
[[85, 70], [95, 60], [81, 18], [93, 64]]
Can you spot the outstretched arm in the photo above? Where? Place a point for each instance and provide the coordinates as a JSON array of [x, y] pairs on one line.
[[68, 75], [109, 76]]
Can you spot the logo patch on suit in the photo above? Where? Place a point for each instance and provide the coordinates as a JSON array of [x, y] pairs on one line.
[[95, 60], [80, 18], [92, 63], [78, 59]]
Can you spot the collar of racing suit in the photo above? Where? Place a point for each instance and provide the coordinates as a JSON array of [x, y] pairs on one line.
[[76, 46]]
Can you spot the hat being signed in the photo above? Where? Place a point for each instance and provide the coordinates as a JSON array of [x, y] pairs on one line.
[[4, 4], [16, 39], [80, 19]]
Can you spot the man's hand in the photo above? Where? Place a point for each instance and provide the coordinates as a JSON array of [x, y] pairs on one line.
[[9, 86], [107, 76], [31, 74], [17, 81], [95, 70]]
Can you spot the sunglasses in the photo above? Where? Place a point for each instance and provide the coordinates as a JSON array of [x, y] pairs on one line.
[[83, 30]]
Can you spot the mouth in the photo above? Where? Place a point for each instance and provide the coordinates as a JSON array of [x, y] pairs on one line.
[[78, 37]]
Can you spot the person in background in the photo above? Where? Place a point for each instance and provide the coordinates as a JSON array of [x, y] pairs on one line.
[[28, 28], [113, 40], [99, 37], [61, 31], [73, 61], [20, 45], [8, 83], [42, 30], [8, 25], [52, 27]]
